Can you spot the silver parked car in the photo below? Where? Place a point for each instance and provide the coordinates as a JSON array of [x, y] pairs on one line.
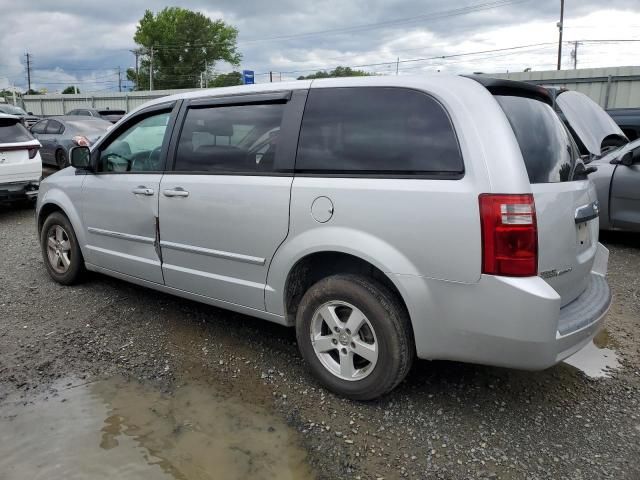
[[385, 218], [59, 134], [617, 182]]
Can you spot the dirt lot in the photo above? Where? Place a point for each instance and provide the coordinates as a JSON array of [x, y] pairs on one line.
[[447, 420]]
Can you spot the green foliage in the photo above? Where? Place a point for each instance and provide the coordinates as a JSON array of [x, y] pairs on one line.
[[226, 80], [185, 44], [337, 72], [71, 89]]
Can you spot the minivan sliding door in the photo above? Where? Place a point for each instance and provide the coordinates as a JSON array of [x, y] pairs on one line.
[[224, 202]]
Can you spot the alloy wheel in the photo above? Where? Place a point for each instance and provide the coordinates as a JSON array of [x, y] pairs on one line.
[[344, 341], [58, 249]]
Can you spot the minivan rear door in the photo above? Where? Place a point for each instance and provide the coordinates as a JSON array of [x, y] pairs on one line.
[[565, 200], [224, 203]]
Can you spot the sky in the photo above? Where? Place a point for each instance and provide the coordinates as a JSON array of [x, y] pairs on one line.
[[84, 42]]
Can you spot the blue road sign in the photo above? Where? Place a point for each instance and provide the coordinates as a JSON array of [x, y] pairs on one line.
[[247, 76]]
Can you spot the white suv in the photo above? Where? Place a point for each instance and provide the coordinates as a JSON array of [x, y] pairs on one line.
[[20, 163], [384, 217]]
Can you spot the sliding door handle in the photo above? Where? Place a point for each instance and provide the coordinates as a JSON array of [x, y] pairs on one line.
[[176, 192]]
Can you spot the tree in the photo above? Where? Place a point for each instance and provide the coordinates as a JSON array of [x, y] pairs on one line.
[[184, 45], [226, 80], [71, 89], [337, 72]]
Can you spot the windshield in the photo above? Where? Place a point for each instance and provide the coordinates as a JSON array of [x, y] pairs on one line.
[[550, 154], [12, 110]]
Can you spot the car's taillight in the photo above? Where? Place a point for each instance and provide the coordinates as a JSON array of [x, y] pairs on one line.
[[509, 235], [81, 141], [33, 151]]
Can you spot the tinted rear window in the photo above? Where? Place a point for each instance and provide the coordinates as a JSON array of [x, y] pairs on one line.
[[376, 130], [550, 154], [13, 132]]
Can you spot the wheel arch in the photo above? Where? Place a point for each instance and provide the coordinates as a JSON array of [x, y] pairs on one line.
[[320, 264], [57, 201]]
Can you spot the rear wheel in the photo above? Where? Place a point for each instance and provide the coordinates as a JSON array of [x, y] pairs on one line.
[[60, 250], [61, 159], [355, 335]]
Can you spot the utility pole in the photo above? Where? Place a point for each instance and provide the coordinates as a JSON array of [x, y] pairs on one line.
[[560, 26], [151, 70], [270, 77], [28, 72], [136, 53], [574, 54], [119, 80], [397, 64]]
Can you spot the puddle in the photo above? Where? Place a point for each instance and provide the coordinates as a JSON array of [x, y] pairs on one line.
[[118, 429], [595, 360]]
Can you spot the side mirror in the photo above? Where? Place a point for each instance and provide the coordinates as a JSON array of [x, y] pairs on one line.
[[630, 158], [80, 158]]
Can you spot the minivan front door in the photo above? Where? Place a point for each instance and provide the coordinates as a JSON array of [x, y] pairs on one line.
[[224, 206], [120, 199]]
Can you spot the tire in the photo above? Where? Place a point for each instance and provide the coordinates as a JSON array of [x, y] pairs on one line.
[[57, 225], [61, 159], [386, 328]]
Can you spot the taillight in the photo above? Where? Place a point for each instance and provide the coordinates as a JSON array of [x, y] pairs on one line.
[[81, 141], [509, 235], [33, 151]]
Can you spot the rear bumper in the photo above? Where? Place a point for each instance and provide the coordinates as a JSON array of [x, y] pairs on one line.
[[15, 191], [501, 321]]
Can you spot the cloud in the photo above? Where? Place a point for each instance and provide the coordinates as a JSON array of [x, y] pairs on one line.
[[84, 42]]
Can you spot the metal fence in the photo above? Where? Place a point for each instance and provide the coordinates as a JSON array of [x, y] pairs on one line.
[[615, 87], [58, 104]]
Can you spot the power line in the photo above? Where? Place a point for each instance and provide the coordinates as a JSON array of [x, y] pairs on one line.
[[364, 27]]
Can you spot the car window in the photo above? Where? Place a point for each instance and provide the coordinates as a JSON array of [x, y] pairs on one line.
[[138, 148], [376, 130], [54, 127], [40, 127], [12, 131], [239, 138], [550, 155]]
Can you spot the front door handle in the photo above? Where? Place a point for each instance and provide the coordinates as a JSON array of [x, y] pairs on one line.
[[142, 190], [176, 192]]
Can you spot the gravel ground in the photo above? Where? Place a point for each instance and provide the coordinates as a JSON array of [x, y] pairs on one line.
[[447, 420]]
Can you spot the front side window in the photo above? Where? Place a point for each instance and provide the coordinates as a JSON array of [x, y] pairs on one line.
[[227, 139], [138, 148], [377, 130], [550, 155], [40, 127], [54, 127]]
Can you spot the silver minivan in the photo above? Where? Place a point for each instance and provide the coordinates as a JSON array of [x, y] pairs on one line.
[[443, 217]]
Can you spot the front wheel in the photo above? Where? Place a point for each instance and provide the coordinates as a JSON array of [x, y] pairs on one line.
[[60, 250], [61, 159], [355, 336]]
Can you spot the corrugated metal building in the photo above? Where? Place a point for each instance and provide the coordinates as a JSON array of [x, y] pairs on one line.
[[613, 87]]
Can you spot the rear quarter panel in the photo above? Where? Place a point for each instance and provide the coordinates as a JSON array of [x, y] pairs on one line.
[[417, 227]]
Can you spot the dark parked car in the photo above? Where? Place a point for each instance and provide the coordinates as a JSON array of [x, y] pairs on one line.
[[58, 134], [110, 115], [628, 119], [27, 119]]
